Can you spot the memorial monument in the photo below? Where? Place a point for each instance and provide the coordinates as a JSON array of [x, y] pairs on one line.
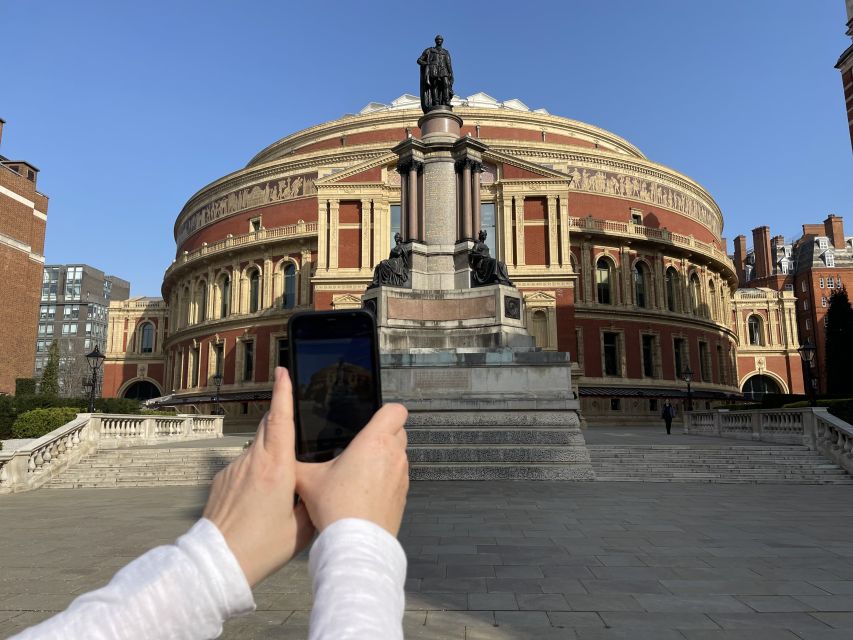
[[454, 345]]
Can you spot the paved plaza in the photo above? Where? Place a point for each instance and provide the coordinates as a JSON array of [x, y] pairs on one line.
[[502, 559]]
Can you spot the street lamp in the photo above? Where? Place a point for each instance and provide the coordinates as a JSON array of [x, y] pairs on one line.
[[807, 353], [687, 376], [217, 380], [95, 359]]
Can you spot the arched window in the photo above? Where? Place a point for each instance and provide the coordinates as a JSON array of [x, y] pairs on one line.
[[201, 302], [254, 291], [225, 297], [289, 297], [695, 295], [602, 281], [641, 280], [146, 340], [539, 330], [756, 387], [712, 298], [672, 284], [753, 325], [185, 308]]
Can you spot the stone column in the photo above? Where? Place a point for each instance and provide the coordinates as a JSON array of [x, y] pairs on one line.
[[586, 270], [333, 233], [519, 230], [322, 247], [507, 226], [475, 199], [269, 281], [211, 294], [553, 256], [413, 219], [366, 218], [235, 287], [563, 230], [304, 278], [465, 210], [627, 276]]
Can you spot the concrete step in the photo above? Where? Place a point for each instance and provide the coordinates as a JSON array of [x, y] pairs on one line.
[[496, 453], [483, 471]]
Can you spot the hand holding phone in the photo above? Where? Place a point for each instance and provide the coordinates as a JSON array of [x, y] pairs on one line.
[[336, 384]]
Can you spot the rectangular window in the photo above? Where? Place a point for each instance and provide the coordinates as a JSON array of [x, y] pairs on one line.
[[704, 362], [487, 224], [830, 283], [611, 354], [822, 243], [283, 353], [680, 359], [821, 283], [248, 361], [194, 352], [808, 325], [69, 328], [219, 358], [803, 286], [823, 301], [42, 345], [649, 350], [837, 282], [254, 225], [395, 223], [721, 366], [636, 218], [653, 404], [615, 404], [789, 287], [805, 305]]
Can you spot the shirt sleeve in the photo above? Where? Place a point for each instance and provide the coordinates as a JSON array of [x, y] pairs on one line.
[[359, 572], [184, 590]]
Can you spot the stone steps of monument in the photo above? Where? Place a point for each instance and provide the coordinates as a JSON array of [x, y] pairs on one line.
[[487, 419], [722, 464], [496, 471], [493, 435], [495, 453]]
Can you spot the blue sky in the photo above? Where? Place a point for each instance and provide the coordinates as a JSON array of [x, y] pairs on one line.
[[128, 108]]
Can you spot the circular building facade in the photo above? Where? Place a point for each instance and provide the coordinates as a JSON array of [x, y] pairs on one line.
[[620, 260]]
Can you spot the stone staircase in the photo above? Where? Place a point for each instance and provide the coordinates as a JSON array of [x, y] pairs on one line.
[[496, 445], [146, 467], [534, 448], [732, 464]]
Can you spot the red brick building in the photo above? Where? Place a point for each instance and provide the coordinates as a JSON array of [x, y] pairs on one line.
[[23, 219], [810, 268], [620, 260]]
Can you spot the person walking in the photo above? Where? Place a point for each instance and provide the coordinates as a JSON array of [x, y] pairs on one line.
[[668, 414]]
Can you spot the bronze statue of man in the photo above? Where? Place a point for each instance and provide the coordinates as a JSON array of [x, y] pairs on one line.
[[436, 76]]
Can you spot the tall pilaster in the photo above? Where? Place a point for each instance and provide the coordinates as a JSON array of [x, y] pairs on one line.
[[366, 217], [553, 253]]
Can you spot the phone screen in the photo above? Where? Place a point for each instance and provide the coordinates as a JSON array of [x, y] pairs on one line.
[[335, 377]]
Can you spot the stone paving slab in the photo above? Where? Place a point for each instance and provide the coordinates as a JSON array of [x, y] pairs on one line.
[[589, 561]]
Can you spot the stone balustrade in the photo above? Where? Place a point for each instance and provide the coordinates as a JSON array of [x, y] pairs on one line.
[[631, 230], [813, 427], [32, 466]]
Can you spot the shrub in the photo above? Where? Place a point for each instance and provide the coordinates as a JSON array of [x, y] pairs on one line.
[[38, 422], [7, 416], [117, 405], [25, 386]]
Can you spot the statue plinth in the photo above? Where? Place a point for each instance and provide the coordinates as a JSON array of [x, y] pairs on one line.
[[440, 124]]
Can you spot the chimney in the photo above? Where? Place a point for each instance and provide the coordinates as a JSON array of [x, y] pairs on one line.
[[740, 259], [761, 248], [834, 228], [812, 229]]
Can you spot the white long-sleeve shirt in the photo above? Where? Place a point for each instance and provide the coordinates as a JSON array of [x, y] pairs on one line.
[[188, 589]]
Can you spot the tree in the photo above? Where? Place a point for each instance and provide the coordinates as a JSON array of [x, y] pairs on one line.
[[839, 344], [50, 376]]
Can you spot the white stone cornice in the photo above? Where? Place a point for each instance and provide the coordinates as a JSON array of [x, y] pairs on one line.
[[18, 198]]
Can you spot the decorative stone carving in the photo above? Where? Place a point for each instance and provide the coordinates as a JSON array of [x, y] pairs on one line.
[[485, 269], [512, 308], [393, 271]]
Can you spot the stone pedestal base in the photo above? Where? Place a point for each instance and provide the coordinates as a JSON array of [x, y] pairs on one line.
[[485, 317], [488, 414]]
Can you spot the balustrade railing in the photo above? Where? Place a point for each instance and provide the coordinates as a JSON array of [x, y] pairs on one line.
[[35, 464], [813, 427], [636, 230]]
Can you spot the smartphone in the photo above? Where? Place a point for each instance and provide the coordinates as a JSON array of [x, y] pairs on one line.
[[334, 367]]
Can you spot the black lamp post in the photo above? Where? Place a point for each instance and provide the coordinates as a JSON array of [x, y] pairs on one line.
[[687, 376], [807, 353], [95, 359], [217, 380]]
